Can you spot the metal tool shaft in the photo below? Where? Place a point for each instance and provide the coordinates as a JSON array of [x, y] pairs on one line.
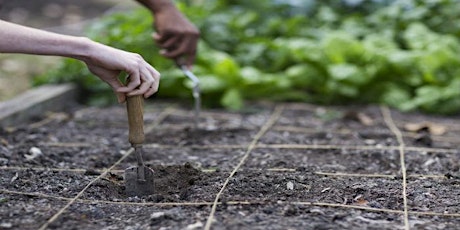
[[140, 163], [196, 92]]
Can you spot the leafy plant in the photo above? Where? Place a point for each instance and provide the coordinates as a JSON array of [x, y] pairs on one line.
[[401, 53]]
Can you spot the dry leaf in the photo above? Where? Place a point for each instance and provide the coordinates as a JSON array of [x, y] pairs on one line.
[[432, 128], [3, 141], [359, 200], [360, 117], [365, 120]]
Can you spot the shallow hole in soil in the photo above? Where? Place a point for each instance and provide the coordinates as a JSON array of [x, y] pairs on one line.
[[172, 183]]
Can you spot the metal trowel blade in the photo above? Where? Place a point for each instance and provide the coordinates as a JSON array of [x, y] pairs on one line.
[[135, 185]]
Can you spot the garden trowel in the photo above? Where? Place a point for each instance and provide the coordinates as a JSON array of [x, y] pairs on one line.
[[138, 179]]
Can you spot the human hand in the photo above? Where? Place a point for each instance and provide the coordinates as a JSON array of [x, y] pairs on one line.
[[107, 63], [104, 61], [177, 36]]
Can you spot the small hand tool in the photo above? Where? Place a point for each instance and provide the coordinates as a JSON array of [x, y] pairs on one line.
[[138, 179], [196, 92]]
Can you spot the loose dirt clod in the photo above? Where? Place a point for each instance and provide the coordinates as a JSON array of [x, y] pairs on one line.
[[173, 182]]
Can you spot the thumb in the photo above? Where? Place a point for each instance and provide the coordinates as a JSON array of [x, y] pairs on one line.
[[110, 77], [156, 36], [121, 97]]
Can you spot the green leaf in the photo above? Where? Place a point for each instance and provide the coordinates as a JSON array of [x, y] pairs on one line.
[[401, 53], [348, 73], [232, 99], [394, 95], [341, 47], [209, 84], [305, 76], [228, 70], [341, 90]]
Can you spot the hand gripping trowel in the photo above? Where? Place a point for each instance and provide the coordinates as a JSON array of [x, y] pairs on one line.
[[138, 179]]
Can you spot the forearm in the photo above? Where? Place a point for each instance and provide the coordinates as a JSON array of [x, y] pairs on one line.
[[157, 5], [104, 61], [20, 39]]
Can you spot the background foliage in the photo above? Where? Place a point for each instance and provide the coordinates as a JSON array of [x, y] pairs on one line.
[[402, 53]]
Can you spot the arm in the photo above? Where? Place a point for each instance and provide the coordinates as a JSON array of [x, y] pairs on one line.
[[103, 61], [176, 35]]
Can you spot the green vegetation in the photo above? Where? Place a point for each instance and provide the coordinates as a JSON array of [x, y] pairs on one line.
[[404, 54]]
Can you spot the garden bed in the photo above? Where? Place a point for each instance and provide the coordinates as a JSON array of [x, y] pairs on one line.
[[277, 166]]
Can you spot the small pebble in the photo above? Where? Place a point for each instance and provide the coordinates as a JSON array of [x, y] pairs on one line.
[[6, 225], [196, 225], [290, 185], [157, 215], [34, 152]]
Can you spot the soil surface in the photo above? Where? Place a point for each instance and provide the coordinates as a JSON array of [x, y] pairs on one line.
[[279, 166]]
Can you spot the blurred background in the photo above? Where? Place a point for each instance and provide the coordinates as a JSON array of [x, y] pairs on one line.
[[401, 53]]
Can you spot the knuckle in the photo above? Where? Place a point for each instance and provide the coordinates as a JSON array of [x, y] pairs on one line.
[[138, 58]]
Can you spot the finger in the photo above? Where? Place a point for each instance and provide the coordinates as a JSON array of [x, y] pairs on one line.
[[147, 81], [173, 54], [155, 74], [186, 61], [112, 81], [184, 48], [109, 77], [156, 36], [154, 88], [134, 82], [161, 38], [181, 61], [170, 42], [190, 61], [191, 55], [121, 97], [116, 86], [150, 92]]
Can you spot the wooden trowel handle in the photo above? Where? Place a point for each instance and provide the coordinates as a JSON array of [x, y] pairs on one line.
[[135, 107]]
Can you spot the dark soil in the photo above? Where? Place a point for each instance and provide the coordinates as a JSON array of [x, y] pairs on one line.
[[314, 168]]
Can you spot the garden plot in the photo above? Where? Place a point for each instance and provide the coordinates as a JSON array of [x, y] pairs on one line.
[[275, 166]]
